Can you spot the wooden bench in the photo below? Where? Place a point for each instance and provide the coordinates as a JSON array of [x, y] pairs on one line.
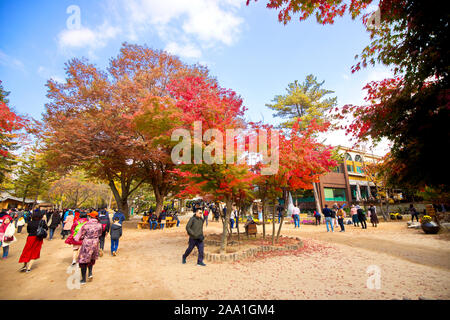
[[170, 222], [251, 229], [144, 223]]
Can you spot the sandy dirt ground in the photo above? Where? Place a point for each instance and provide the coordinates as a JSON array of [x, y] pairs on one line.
[[330, 266]]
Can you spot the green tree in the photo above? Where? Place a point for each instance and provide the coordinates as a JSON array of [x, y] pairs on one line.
[[305, 101]]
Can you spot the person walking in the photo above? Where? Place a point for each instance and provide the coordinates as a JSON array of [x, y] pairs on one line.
[[89, 235], [328, 218], [361, 217], [318, 217], [232, 218], [205, 216], [296, 217], [20, 222], [334, 214], [76, 244], [68, 223], [116, 233], [373, 215], [32, 249], [55, 221], [175, 217], [7, 230], [413, 212], [162, 219], [119, 215], [354, 214], [341, 216], [194, 229], [280, 212], [103, 218]]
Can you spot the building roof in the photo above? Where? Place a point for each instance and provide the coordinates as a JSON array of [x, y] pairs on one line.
[[7, 196]]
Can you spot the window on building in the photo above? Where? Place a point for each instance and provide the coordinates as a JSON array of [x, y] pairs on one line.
[[364, 192], [354, 192], [358, 158], [359, 169], [350, 168], [337, 169], [334, 194], [348, 157]]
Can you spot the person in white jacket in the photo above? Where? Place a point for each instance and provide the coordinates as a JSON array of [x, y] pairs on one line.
[[7, 230]]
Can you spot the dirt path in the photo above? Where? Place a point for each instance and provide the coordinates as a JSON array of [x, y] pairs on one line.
[[431, 255], [333, 266]]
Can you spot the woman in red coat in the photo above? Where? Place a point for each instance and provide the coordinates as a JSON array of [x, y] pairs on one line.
[[77, 224], [32, 249]]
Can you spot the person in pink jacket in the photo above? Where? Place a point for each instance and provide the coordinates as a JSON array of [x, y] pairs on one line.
[[76, 226]]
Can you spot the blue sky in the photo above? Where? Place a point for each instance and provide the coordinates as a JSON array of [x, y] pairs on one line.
[[245, 47]]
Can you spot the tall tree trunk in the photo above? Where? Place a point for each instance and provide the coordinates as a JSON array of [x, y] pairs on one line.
[[38, 189], [273, 220], [25, 195], [316, 198], [264, 217], [285, 193], [226, 220], [121, 200]]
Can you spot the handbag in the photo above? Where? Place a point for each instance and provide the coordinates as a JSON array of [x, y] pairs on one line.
[[41, 231]]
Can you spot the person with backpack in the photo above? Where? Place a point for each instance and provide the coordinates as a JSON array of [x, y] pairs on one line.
[[20, 221], [103, 218], [341, 217], [76, 227], [88, 236], [361, 217], [119, 215], [194, 229], [36, 229], [373, 216], [116, 233], [205, 215], [328, 218]]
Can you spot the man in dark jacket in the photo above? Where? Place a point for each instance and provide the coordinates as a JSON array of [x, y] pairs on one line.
[[194, 229], [103, 218], [153, 221], [328, 214]]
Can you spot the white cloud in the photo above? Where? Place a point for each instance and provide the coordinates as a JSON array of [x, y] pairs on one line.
[[8, 61], [187, 50], [207, 23], [87, 38], [186, 27]]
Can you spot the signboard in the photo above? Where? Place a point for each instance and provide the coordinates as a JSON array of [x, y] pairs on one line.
[[430, 210]]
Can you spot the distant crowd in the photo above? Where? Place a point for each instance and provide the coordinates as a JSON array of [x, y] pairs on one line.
[[84, 230]]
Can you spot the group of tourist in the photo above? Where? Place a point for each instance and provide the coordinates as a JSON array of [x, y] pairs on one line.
[[154, 220], [85, 231]]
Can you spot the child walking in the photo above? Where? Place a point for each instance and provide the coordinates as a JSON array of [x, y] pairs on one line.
[[116, 233]]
